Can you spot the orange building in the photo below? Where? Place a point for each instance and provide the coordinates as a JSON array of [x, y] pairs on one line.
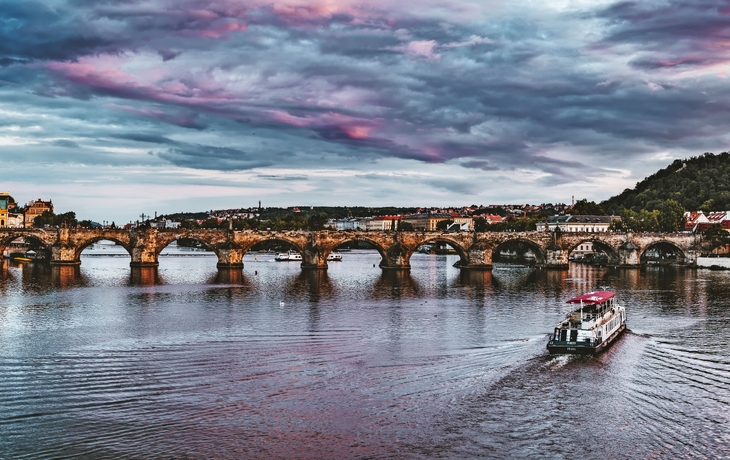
[[35, 208]]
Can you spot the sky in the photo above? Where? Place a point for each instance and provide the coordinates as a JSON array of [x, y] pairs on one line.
[[114, 108]]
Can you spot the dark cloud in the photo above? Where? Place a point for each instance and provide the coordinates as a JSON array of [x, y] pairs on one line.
[[670, 34], [146, 138], [213, 158], [65, 143]]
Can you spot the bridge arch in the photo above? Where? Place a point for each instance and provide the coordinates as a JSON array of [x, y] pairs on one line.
[[539, 251], [37, 241], [325, 251], [86, 242], [610, 251], [228, 253], [168, 241], [656, 253], [441, 238], [246, 247], [9, 238]]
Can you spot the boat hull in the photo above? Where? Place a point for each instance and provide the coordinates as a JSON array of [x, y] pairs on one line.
[[576, 348]]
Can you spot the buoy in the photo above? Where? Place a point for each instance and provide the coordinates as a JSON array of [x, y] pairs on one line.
[[281, 304]]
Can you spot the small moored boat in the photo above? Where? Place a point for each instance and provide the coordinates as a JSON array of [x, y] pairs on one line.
[[334, 257], [291, 256], [592, 328]]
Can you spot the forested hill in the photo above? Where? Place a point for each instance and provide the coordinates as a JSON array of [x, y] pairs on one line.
[[696, 183]]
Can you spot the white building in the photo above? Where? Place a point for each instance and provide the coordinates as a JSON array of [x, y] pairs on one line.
[[571, 224], [382, 223]]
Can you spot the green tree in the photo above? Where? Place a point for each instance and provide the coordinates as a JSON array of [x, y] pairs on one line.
[[444, 224], [211, 222], [67, 219], [671, 216], [642, 221], [481, 225], [189, 224], [587, 208], [47, 218], [316, 221]]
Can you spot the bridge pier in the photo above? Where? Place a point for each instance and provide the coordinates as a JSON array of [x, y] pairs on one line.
[[396, 257], [143, 257], [478, 257], [314, 257], [629, 256], [144, 251], [61, 255], [64, 252], [229, 258], [556, 258]]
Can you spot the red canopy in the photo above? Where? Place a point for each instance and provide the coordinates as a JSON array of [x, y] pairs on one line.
[[593, 298]]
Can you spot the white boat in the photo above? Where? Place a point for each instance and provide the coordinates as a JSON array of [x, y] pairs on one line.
[[334, 257], [290, 256], [592, 328]]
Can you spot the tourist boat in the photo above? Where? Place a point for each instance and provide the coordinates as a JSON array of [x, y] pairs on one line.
[[334, 257], [290, 256], [592, 328]]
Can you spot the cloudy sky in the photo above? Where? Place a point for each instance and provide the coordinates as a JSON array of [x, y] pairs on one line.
[[117, 107]]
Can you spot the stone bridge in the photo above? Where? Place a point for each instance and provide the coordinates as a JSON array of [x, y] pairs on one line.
[[475, 250]]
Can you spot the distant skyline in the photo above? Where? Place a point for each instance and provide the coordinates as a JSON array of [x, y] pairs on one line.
[[114, 108]]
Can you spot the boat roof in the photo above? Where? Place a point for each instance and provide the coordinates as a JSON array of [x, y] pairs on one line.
[[593, 298]]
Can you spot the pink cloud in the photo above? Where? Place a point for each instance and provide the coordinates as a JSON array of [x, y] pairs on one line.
[[422, 48]]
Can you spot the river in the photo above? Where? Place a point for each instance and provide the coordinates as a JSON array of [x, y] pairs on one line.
[[102, 361]]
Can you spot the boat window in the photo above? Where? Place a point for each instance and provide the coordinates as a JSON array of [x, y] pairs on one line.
[[573, 335], [563, 335]]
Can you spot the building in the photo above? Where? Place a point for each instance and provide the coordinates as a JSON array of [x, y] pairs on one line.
[[720, 218], [34, 209], [582, 250], [382, 223], [692, 220], [7, 205], [429, 222], [569, 223]]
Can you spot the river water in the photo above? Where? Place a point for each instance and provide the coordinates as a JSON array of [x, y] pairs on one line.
[[103, 361]]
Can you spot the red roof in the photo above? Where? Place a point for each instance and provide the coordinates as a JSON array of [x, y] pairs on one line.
[[593, 298], [717, 216]]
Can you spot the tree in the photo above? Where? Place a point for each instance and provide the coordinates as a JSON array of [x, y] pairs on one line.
[[671, 216], [642, 221], [481, 225], [211, 222], [444, 224], [189, 224], [67, 219], [316, 221], [587, 208], [406, 227]]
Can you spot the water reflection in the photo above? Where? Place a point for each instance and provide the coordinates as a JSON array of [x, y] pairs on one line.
[[316, 284], [477, 278], [229, 276], [63, 276], [396, 284], [144, 276]]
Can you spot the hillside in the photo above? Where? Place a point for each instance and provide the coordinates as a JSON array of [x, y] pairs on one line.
[[701, 182]]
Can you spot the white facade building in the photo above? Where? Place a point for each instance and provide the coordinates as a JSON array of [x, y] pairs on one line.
[[570, 224]]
